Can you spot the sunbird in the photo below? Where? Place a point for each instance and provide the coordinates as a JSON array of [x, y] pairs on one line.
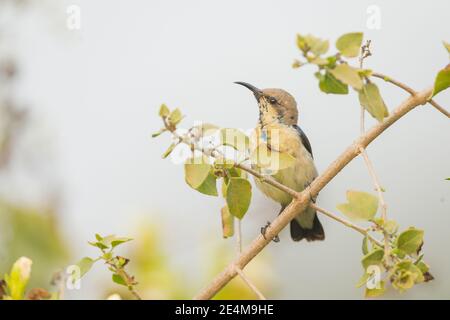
[[278, 117]]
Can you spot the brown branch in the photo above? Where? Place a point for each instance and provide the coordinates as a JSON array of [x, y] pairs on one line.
[[300, 203], [410, 91]]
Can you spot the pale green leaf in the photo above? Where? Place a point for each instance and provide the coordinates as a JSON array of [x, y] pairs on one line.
[[371, 100], [175, 116], [209, 186], [446, 45], [442, 81], [169, 150], [164, 111], [360, 206], [239, 194], [373, 258], [376, 292], [348, 75], [365, 245], [410, 241], [227, 222], [349, 44], [85, 265], [196, 170], [116, 278], [329, 84]]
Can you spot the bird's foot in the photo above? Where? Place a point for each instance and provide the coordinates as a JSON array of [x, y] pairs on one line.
[[263, 232]]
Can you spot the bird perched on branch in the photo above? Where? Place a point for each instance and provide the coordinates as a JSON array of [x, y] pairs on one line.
[[277, 128]]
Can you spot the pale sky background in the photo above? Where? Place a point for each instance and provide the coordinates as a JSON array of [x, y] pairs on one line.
[[95, 94]]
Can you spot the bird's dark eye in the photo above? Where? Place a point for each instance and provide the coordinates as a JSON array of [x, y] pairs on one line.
[[272, 100]]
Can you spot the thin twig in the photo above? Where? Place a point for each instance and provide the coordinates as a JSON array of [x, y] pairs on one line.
[[347, 223], [365, 52], [410, 91], [249, 283], [239, 236]]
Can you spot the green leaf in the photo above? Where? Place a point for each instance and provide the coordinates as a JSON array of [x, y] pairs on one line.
[[447, 46], [363, 280], [17, 279], [390, 226], [119, 241], [373, 258], [175, 116], [319, 61], [310, 43], [365, 245], [296, 64], [227, 222], [348, 75], [410, 241], [116, 278], [234, 138], [209, 186], [85, 265], [239, 194], [360, 205], [196, 171], [405, 275], [158, 133], [371, 100], [376, 292], [349, 44], [264, 157], [169, 150], [329, 84], [442, 81], [164, 111]]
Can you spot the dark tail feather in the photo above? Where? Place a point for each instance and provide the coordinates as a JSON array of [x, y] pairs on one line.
[[298, 232]]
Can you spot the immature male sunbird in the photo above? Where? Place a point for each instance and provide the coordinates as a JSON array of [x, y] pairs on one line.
[[278, 115]]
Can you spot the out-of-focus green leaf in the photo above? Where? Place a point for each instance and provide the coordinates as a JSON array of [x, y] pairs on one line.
[[329, 84], [446, 45], [365, 245], [227, 222], [442, 81], [371, 100], [164, 111], [158, 133], [85, 265], [239, 194], [405, 275], [175, 116], [17, 279], [410, 241], [360, 206], [119, 240], [349, 44], [347, 75], [310, 43], [116, 278], [376, 292], [169, 150]]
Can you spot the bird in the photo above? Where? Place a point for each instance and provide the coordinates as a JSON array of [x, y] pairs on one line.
[[278, 115]]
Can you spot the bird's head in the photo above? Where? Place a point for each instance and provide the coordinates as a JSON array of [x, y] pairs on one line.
[[275, 105]]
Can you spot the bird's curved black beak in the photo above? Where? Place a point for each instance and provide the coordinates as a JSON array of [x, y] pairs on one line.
[[257, 92]]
